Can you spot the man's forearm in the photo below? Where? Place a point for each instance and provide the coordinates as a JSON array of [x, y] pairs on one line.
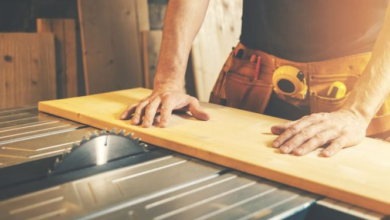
[[372, 88], [182, 22]]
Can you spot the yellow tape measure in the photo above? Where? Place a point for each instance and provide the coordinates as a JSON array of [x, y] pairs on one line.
[[290, 81], [337, 90]]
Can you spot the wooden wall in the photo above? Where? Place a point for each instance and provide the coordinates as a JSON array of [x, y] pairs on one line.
[[218, 34]]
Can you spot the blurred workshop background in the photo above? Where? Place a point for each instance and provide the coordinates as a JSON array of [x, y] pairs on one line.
[[53, 49]]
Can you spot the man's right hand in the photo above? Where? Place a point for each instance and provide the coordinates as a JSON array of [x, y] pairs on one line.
[[163, 102]]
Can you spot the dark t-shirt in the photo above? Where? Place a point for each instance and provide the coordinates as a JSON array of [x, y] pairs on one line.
[[312, 30]]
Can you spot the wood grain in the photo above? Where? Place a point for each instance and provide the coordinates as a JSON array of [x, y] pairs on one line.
[[111, 45], [27, 69], [143, 15], [151, 50], [66, 62], [219, 33], [241, 140]]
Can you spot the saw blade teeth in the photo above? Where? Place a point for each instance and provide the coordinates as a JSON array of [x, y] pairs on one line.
[[83, 140], [75, 147], [113, 131], [122, 132], [87, 135], [94, 135], [66, 152], [130, 135], [76, 144], [66, 159], [53, 167]]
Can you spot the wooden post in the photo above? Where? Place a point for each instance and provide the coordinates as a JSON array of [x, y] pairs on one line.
[[66, 61]]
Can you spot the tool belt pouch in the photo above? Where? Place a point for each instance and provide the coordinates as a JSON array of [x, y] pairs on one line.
[[320, 102], [319, 85], [236, 88]]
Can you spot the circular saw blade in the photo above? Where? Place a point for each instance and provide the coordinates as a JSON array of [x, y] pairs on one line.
[[98, 149]]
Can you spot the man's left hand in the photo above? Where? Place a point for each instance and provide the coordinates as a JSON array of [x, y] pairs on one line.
[[334, 131]]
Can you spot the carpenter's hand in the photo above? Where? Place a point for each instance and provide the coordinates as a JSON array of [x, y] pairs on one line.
[[164, 102], [334, 131]]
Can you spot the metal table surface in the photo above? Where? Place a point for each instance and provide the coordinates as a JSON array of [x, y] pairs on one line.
[[158, 184]]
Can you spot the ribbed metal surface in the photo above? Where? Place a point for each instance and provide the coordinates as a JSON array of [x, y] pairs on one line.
[[27, 135], [173, 187], [170, 187]]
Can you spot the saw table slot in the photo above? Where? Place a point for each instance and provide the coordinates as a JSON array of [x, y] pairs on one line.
[[25, 202], [49, 215], [37, 205], [5, 161], [6, 135], [256, 206], [282, 209], [49, 142], [24, 126], [15, 120], [40, 205], [126, 182], [38, 147], [32, 110], [31, 155], [45, 130], [17, 116], [329, 208], [19, 121], [127, 214], [22, 122], [13, 116], [201, 188], [222, 197]]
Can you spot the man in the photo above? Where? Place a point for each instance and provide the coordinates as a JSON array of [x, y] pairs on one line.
[[320, 38]]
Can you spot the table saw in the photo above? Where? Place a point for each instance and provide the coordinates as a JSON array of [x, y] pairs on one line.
[[53, 168]]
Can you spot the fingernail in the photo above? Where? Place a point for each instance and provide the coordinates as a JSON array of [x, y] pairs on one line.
[[145, 125], [327, 153], [285, 149], [275, 144], [134, 121], [299, 150], [162, 123]]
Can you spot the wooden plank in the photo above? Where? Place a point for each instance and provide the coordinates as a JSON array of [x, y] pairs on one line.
[[27, 69], [219, 33], [241, 140], [66, 63], [111, 45], [151, 50]]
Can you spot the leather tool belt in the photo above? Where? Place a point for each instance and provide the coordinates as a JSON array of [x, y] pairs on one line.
[[236, 86]]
